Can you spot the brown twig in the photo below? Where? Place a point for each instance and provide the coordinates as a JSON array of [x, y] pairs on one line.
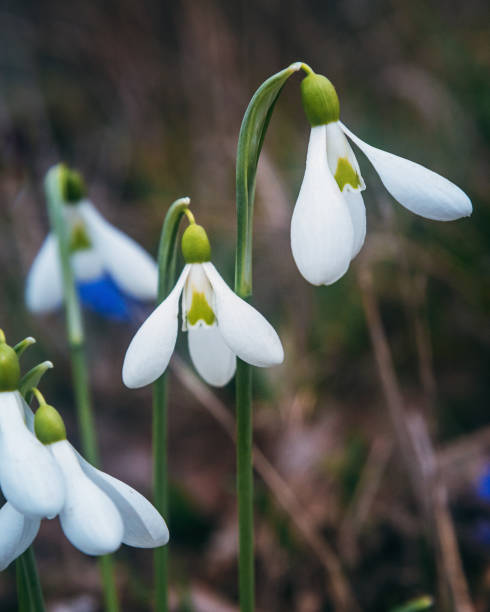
[[341, 592], [417, 456], [362, 500]]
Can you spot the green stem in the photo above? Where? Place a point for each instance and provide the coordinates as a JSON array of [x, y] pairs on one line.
[[252, 133], [167, 252], [74, 326], [245, 484], [28, 586]]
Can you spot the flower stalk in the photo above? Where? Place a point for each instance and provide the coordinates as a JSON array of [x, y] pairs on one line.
[[167, 252], [55, 182], [252, 134], [28, 585]]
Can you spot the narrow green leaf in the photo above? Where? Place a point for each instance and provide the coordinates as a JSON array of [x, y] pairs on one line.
[[167, 250], [415, 605], [31, 379], [23, 345], [250, 141]]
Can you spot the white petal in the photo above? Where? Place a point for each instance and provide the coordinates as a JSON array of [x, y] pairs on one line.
[[134, 271], [16, 534], [89, 518], [357, 212], [338, 147], [30, 479], [417, 188], [87, 265], [211, 357], [44, 288], [144, 527], [151, 348], [247, 333], [321, 227]]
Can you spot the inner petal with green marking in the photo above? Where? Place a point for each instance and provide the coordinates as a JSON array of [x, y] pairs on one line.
[[200, 310], [197, 299], [346, 174], [79, 240]]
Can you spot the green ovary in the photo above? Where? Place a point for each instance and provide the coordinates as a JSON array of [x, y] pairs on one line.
[[200, 310], [79, 241], [346, 175]]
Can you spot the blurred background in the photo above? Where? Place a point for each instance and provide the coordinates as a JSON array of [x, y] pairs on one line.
[[146, 100]]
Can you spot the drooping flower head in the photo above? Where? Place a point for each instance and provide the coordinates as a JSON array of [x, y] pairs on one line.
[[29, 477], [220, 325], [328, 226], [111, 270], [98, 512]]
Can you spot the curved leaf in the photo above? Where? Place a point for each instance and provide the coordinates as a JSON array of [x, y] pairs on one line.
[[31, 379], [250, 140]]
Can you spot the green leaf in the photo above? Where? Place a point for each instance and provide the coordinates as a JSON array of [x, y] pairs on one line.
[[167, 250], [32, 378], [23, 345], [415, 605], [252, 134]]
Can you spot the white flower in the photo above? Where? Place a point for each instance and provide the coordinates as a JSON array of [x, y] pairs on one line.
[[100, 512], [328, 226], [29, 478], [220, 325], [98, 515], [98, 248]]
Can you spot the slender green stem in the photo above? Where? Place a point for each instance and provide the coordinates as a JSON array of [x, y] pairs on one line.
[[74, 326], [28, 586], [160, 487], [250, 141], [245, 484], [166, 278]]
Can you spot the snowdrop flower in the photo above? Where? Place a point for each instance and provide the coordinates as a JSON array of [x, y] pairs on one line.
[[220, 325], [99, 512], [29, 477], [328, 226], [109, 267]]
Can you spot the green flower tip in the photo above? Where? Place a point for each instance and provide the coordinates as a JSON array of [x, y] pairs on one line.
[[9, 366], [195, 244], [49, 425], [72, 186], [320, 100]]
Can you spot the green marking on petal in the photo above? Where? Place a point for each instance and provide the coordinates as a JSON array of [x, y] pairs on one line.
[[346, 175], [79, 240], [200, 310]]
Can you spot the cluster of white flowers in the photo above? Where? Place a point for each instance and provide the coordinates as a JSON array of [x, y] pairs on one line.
[[43, 476]]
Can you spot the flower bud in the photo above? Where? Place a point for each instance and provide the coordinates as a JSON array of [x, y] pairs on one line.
[[320, 100], [195, 244], [49, 425], [72, 186], [9, 366]]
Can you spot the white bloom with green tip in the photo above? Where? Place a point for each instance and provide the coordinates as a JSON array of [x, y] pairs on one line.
[[101, 512], [220, 325], [29, 478], [328, 226], [98, 512], [97, 248]]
